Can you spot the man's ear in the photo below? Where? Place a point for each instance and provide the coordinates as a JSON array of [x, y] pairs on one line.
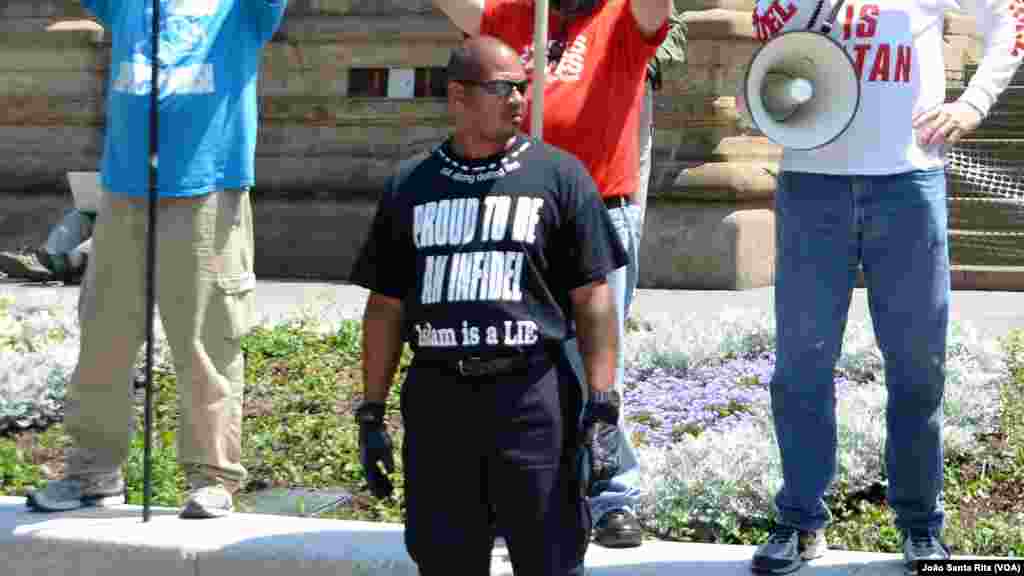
[[456, 92]]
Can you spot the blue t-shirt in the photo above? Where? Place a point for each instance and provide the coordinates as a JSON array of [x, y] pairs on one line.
[[209, 60]]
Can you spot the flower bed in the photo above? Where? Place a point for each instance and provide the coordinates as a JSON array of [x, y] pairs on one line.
[[700, 407], [38, 350], [696, 396]]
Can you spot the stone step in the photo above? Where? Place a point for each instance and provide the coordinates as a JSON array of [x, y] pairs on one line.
[[986, 248], [995, 214], [1003, 124], [987, 278]]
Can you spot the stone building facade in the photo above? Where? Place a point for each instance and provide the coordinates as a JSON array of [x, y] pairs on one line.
[[351, 87]]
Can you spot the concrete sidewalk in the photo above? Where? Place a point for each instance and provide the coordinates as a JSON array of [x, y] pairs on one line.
[[115, 542], [992, 313]]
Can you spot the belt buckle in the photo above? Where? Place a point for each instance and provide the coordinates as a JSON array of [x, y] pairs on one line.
[[467, 369]]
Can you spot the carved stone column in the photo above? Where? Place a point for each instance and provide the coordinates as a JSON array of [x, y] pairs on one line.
[[710, 223]]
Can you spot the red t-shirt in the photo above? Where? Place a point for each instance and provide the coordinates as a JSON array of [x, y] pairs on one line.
[[592, 99]]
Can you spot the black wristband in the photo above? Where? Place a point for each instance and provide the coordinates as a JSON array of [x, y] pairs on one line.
[[371, 413]]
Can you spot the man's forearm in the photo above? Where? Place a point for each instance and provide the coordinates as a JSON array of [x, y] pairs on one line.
[[598, 337], [381, 346]]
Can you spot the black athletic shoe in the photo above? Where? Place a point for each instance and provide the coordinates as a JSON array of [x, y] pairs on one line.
[[619, 529], [786, 550]]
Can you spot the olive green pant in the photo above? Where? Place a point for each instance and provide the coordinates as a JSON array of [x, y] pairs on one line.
[[204, 293]]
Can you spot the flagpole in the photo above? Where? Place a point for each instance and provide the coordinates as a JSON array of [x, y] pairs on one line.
[[154, 99], [540, 66]]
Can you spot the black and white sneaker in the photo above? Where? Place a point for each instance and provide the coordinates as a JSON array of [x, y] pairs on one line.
[[787, 548], [922, 545]]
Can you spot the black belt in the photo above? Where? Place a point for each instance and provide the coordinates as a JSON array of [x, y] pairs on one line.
[[475, 366], [616, 201], [478, 366]]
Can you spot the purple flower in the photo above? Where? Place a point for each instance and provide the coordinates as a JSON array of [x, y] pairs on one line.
[[664, 404]]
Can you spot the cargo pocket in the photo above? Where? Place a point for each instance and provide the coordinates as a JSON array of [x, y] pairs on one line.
[[237, 293]]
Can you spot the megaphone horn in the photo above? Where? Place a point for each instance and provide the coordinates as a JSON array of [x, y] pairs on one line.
[[801, 90], [782, 94]]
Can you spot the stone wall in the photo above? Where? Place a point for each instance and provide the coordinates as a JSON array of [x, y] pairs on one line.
[[323, 154], [54, 65]]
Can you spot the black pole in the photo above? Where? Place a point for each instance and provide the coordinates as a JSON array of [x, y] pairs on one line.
[[154, 93]]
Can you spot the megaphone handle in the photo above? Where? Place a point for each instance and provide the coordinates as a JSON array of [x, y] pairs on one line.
[[826, 26]]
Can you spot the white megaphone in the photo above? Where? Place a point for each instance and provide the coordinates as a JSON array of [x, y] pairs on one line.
[[801, 90]]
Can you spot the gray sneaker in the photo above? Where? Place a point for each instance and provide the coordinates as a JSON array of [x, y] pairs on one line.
[[922, 546], [787, 548], [209, 501], [76, 492], [208, 496]]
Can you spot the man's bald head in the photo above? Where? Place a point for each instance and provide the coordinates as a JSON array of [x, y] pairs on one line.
[[479, 57], [486, 94]]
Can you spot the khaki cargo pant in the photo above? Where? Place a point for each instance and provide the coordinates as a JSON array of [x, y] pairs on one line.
[[204, 293]]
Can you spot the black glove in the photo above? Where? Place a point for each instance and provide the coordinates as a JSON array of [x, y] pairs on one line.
[[375, 448], [601, 435]]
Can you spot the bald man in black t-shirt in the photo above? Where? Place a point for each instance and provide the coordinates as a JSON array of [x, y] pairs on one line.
[[482, 255]]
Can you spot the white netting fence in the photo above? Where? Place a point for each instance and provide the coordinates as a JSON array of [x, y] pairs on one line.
[[986, 189], [984, 169]]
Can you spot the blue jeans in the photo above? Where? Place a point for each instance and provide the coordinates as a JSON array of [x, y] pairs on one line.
[[623, 490], [894, 227]]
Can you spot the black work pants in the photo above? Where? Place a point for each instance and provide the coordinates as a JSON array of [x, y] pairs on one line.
[[480, 451]]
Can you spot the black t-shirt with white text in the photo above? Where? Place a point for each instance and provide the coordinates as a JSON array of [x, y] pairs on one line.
[[483, 253]]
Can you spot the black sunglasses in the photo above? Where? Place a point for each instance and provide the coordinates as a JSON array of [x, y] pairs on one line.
[[500, 88]]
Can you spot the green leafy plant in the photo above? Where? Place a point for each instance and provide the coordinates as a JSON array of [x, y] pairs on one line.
[[17, 472], [303, 384], [168, 482]]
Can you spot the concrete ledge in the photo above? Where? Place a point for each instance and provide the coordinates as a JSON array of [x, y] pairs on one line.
[[115, 542], [291, 244]]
